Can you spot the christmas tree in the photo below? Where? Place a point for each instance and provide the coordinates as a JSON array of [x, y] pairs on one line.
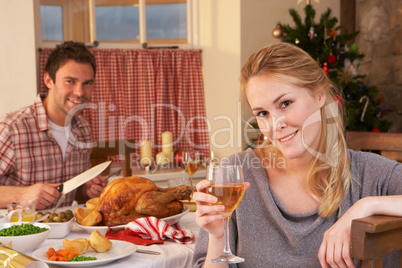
[[364, 110]]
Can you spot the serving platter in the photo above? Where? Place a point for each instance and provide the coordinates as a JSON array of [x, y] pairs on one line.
[[119, 250], [103, 229]]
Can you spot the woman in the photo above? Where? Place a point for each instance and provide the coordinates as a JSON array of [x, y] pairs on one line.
[[304, 186]]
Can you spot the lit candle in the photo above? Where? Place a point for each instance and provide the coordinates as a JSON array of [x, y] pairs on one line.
[[161, 159], [167, 145], [146, 153]]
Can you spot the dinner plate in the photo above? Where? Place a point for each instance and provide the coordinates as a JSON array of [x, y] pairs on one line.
[[119, 249], [103, 229]]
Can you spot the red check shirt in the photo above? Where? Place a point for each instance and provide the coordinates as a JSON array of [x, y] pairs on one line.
[[29, 153]]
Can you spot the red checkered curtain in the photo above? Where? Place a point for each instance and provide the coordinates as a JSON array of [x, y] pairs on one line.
[[142, 93]]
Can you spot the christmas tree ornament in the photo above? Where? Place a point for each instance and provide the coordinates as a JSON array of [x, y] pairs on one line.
[[354, 48], [331, 58], [297, 41], [277, 32], [325, 68], [311, 33], [365, 107], [382, 110], [332, 33], [344, 76], [351, 67]]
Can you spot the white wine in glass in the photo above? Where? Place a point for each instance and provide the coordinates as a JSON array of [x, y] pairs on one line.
[[227, 185], [191, 163]]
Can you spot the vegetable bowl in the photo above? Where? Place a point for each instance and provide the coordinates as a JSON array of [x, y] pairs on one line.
[[25, 241], [60, 223]]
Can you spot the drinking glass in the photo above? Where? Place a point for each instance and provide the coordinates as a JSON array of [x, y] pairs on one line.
[[191, 162], [26, 211], [227, 185]]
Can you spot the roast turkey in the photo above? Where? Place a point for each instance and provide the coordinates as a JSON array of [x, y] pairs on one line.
[[127, 199]]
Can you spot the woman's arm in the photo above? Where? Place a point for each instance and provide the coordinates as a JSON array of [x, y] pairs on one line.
[[335, 247]]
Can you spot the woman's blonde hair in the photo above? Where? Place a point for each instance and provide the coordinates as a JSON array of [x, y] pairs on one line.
[[329, 175]]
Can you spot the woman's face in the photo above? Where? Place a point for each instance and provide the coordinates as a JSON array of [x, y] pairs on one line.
[[288, 115]]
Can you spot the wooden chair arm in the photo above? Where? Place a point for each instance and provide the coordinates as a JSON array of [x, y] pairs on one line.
[[374, 237]]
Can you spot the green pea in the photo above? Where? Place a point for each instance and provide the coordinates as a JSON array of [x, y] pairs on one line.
[[83, 258], [23, 229]]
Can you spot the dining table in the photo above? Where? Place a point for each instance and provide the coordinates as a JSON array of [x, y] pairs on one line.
[[172, 254]]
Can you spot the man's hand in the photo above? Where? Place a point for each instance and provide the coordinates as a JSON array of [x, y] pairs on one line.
[[43, 194], [92, 188]]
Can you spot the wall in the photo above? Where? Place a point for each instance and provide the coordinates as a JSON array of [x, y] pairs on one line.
[[17, 55], [220, 44], [380, 25]]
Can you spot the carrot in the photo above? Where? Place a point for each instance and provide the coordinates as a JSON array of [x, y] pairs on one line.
[[72, 254], [62, 258], [62, 253], [50, 252]]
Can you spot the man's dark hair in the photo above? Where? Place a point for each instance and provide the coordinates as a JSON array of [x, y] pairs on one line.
[[68, 50]]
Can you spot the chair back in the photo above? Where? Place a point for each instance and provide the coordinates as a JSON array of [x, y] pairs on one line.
[[376, 236], [387, 144], [106, 150]]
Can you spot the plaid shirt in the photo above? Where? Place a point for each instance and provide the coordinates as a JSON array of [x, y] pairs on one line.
[[29, 153]]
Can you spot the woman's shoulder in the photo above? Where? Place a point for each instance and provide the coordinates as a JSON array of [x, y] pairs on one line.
[[369, 158], [370, 163]]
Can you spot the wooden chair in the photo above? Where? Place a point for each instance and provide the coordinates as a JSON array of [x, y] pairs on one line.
[[104, 151], [374, 237], [388, 144]]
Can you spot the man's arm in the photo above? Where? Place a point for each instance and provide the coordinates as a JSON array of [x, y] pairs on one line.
[[43, 194]]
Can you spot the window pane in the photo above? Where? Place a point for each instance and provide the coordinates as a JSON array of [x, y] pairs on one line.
[[51, 23], [167, 21], [117, 23]]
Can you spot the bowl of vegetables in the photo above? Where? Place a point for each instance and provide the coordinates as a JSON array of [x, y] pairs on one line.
[[60, 223], [23, 237]]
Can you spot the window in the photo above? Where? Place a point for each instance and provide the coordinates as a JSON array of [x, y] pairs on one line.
[[118, 21], [51, 22]]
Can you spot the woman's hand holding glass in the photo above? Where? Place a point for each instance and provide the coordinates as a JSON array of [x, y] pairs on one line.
[[209, 217], [227, 184]]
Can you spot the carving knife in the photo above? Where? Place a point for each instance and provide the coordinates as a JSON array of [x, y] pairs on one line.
[[82, 178]]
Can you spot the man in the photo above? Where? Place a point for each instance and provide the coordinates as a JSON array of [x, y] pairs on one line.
[[42, 145]]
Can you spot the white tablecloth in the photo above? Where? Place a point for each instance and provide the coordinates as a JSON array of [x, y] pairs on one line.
[[173, 255]]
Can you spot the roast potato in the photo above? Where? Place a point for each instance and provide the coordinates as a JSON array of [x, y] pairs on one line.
[[99, 242], [79, 245]]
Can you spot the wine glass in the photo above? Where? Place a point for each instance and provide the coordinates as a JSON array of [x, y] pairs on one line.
[[191, 163], [227, 185]]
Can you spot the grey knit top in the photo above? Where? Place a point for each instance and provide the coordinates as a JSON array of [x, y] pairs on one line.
[[265, 234]]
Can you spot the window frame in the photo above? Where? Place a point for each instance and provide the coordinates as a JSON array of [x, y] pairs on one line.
[[90, 28]]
